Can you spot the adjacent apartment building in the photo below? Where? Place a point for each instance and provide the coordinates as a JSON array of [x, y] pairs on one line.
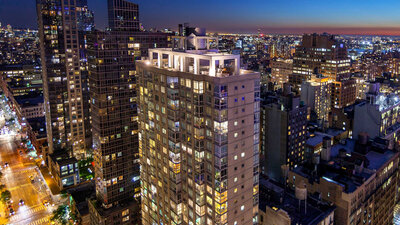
[[61, 25], [284, 119], [113, 98]]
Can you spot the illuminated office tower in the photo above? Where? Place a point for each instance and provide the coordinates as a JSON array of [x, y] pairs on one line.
[[198, 138], [60, 23], [320, 54]]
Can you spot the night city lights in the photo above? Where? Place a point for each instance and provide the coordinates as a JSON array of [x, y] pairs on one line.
[[229, 112]]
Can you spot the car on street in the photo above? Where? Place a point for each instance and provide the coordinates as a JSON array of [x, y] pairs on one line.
[[46, 203], [21, 202], [12, 212]]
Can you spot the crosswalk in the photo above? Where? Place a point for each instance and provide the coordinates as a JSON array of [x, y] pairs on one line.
[[26, 213], [44, 220]]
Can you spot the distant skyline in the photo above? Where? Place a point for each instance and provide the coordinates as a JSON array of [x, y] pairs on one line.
[[365, 17]]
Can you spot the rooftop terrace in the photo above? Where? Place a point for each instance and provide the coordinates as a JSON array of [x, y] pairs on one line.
[[201, 62]]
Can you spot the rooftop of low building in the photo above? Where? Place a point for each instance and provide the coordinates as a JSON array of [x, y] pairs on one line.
[[274, 196]]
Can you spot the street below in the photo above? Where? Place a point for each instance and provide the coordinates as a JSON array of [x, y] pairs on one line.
[[21, 176]]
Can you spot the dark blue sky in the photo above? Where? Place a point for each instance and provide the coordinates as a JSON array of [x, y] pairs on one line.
[[274, 16]]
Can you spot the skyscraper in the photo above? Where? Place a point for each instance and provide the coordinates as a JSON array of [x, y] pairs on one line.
[[114, 126], [123, 15], [112, 77], [198, 138], [59, 30], [320, 54], [323, 54]]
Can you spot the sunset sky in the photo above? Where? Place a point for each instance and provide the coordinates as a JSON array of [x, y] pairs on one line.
[[243, 16]]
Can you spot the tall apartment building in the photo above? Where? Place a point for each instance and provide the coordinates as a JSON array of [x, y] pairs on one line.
[[63, 87], [112, 56], [115, 126], [284, 121], [316, 94], [198, 138], [280, 71], [320, 54]]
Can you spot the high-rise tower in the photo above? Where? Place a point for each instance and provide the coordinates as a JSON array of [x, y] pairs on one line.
[[112, 77], [320, 54], [60, 25], [198, 138], [123, 15]]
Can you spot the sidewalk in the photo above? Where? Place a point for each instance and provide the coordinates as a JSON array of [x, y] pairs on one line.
[[3, 218], [49, 181]]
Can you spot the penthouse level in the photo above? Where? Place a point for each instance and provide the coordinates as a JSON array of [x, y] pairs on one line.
[[204, 62]]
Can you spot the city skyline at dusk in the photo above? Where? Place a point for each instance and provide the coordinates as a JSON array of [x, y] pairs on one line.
[[286, 17], [189, 112]]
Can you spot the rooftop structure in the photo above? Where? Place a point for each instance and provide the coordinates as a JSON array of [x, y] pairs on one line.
[[356, 175], [202, 62], [283, 207]]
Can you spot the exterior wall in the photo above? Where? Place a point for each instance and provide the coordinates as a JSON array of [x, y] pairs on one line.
[[339, 120], [288, 126], [62, 83], [280, 71], [123, 15], [344, 93], [33, 111], [383, 121], [114, 116], [366, 112], [275, 128], [319, 54], [317, 95], [123, 215], [203, 171]]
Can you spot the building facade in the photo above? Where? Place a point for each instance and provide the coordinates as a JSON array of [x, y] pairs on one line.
[[198, 139], [359, 177], [316, 94], [320, 54], [280, 71], [61, 73], [284, 133], [112, 56]]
